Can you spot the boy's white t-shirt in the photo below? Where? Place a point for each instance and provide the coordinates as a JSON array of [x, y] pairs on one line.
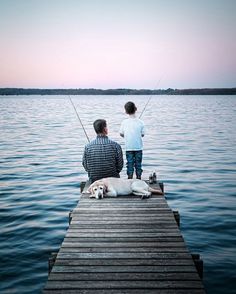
[[133, 129]]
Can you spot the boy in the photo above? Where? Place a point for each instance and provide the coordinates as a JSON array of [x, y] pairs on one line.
[[133, 129]]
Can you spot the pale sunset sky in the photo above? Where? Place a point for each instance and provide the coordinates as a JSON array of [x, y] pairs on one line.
[[117, 43]]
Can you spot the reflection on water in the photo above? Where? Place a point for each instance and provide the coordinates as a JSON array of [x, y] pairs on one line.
[[190, 143]]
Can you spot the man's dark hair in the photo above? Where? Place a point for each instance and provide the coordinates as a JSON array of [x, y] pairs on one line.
[[99, 125], [130, 107]]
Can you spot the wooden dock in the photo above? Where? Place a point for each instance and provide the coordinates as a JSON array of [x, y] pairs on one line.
[[124, 245]]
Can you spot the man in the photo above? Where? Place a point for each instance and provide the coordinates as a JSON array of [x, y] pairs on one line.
[[102, 157]]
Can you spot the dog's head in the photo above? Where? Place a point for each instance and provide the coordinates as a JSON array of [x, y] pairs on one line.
[[97, 190]]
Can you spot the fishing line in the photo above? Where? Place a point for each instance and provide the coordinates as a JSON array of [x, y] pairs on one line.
[[150, 98], [79, 119]]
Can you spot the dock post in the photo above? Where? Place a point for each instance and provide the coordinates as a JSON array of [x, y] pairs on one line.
[[177, 217], [51, 261], [161, 184], [198, 264], [82, 185], [70, 216]]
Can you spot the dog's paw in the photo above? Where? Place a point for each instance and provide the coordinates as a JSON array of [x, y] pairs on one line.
[[145, 196], [92, 196], [86, 192]]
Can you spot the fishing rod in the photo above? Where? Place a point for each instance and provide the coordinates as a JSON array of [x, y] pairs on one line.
[[149, 98], [79, 119]]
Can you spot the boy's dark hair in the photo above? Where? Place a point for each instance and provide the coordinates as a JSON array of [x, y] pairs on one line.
[[130, 107], [99, 125]]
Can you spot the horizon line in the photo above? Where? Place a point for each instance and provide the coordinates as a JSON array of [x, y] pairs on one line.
[[120, 88]]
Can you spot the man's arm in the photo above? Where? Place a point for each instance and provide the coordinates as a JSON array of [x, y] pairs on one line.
[[119, 159]]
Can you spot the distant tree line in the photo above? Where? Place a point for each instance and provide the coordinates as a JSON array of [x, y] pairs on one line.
[[205, 91]]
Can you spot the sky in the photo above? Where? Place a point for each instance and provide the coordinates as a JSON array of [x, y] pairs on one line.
[[107, 44]]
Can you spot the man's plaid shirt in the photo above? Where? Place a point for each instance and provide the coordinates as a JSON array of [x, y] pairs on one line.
[[102, 158]]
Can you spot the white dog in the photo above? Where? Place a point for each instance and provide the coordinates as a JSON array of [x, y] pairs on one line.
[[115, 186]]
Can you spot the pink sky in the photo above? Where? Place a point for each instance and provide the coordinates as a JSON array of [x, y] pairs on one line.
[[117, 44]]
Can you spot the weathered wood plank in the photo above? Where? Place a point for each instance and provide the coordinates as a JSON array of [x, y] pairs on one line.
[[150, 229], [122, 255], [123, 221], [123, 249], [132, 205], [123, 262], [61, 276], [121, 234], [125, 291], [125, 269], [123, 213], [123, 216], [166, 226], [146, 284], [121, 209], [102, 203], [109, 218], [130, 197], [115, 244], [119, 202], [127, 239]]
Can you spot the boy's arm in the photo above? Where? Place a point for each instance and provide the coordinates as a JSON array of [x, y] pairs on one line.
[[143, 130], [121, 130]]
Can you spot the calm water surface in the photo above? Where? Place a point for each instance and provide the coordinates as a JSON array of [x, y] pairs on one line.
[[190, 142]]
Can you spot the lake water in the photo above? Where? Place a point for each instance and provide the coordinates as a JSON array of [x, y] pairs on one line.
[[190, 143]]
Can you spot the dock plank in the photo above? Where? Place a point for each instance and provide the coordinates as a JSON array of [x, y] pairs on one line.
[[125, 269], [144, 284], [124, 291], [124, 276]]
